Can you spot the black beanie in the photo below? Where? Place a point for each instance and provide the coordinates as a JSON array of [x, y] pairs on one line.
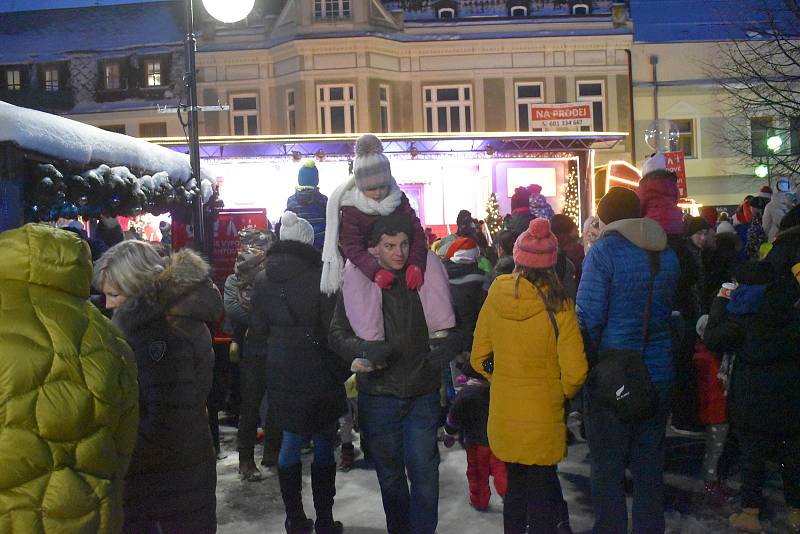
[[791, 219], [694, 225], [617, 204], [390, 225]]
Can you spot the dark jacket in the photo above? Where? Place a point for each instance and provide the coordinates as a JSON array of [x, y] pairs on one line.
[[469, 414], [572, 247], [785, 250], [719, 264], [408, 372], [686, 300], [519, 221], [504, 265], [236, 317], [760, 325], [355, 230], [289, 322], [466, 290], [172, 476], [310, 204], [613, 293]]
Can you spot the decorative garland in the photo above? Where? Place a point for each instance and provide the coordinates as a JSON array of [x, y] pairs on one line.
[[109, 191]]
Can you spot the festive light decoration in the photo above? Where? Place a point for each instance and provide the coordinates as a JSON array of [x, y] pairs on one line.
[[571, 199], [494, 221]]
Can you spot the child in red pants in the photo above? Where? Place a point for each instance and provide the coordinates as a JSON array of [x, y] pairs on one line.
[[468, 416]]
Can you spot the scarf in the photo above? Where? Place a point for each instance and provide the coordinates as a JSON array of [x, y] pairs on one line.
[[347, 194]]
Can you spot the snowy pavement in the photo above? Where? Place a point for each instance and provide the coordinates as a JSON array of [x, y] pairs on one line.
[[256, 507]]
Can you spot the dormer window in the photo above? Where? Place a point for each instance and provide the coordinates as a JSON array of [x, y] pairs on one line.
[[331, 9], [152, 72], [51, 80], [446, 13], [519, 11], [13, 80], [113, 80], [580, 9]]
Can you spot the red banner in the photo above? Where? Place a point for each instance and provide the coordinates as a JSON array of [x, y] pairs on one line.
[[226, 238], [676, 164]]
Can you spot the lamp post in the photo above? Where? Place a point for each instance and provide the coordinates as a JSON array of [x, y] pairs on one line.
[[225, 11], [764, 170]]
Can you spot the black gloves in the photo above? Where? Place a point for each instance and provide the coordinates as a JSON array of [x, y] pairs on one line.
[[377, 352], [444, 349]]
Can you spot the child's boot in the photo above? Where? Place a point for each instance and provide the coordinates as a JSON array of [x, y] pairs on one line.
[[746, 520]]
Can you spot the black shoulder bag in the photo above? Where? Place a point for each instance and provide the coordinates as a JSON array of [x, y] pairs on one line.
[[619, 380]]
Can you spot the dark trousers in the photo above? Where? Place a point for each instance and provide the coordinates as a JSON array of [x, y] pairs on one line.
[[402, 442], [684, 394], [533, 499], [615, 445], [253, 378], [754, 449]]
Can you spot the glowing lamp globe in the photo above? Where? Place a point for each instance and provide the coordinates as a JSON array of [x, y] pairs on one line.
[[762, 171], [774, 143], [229, 10]]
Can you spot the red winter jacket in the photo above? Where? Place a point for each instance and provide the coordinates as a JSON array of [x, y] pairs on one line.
[[659, 200], [356, 227], [711, 397]]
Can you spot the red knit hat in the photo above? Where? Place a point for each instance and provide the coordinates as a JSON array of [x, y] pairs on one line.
[[536, 247], [463, 250], [520, 198]]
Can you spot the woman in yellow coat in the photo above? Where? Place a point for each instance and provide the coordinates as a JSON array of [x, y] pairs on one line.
[[68, 394], [528, 329]]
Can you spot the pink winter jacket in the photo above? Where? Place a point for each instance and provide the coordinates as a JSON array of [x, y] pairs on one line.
[[659, 200]]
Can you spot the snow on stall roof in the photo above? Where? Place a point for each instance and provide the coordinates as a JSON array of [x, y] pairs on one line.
[[60, 138]]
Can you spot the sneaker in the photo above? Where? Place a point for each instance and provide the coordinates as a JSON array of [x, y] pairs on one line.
[[478, 508], [746, 520], [346, 457]]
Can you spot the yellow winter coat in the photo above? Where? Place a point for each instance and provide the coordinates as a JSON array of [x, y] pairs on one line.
[[533, 373], [68, 392]]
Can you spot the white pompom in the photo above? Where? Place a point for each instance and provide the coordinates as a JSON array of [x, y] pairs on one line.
[[289, 219]]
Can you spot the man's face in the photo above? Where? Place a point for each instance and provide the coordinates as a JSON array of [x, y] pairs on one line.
[[700, 238], [393, 251]]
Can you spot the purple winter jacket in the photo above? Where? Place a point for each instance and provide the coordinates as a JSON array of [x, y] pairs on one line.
[[356, 227]]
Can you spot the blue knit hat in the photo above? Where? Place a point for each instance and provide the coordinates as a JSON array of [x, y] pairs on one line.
[[308, 175]]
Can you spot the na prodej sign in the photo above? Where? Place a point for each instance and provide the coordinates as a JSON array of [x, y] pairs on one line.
[[549, 116]]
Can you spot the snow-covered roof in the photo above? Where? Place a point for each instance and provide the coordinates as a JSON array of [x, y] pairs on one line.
[[56, 34], [668, 21], [490, 8], [83, 145]]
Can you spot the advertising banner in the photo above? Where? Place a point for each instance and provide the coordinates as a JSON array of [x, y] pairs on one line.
[[549, 116]]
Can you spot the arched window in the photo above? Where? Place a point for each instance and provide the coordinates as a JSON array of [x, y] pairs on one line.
[[580, 9], [446, 13], [519, 11]]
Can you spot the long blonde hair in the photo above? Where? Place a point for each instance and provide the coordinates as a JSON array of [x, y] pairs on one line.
[[130, 266], [546, 280]]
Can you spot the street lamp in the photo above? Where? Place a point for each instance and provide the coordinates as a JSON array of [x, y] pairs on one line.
[[224, 11], [774, 143], [762, 170]]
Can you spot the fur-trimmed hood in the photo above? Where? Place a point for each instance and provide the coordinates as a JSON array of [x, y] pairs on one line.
[[183, 289], [288, 259]]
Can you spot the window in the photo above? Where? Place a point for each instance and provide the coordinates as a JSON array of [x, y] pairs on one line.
[[14, 80], [759, 132], [519, 11], [686, 139], [383, 97], [580, 9], [51, 79], [152, 70], [112, 77], [120, 129], [448, 108], [337, 108], [593, 92], [244, 114], [331, 9], [153, 129], [527, 94], [290, 112], [446, 13]]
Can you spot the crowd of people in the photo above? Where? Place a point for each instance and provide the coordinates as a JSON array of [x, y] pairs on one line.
[[350, 317]]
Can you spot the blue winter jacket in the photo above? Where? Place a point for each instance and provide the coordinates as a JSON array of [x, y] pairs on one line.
[[613, 293], [309, 204]]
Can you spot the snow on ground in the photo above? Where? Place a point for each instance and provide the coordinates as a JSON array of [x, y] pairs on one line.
[[256, 507]]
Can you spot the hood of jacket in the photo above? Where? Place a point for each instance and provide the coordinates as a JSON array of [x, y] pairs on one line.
[[289, 259], [45, 256], [645, 233], [308, 195], [182, 289], [659, 198], [520, 307]]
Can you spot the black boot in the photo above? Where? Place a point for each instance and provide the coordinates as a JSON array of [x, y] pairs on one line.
[[291, 482], [323, 486]]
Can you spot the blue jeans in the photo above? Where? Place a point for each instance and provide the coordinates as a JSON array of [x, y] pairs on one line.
[[323, 447], [402, 439], [613, 445]]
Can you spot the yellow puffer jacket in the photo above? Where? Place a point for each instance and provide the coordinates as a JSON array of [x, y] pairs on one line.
[[68, 392], [533, 373]]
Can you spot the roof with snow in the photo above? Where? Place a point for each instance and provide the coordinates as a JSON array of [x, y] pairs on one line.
[[80, 144], [425, 9], [666, 21], [56, 34]]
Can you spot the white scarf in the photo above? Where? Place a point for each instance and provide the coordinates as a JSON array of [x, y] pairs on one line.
[[347, 194]]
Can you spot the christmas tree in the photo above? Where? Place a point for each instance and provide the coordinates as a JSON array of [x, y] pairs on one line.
[[571, 207], [494, 222]]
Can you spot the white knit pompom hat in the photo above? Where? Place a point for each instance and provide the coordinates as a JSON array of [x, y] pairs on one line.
[[294, 228], [371, 168]]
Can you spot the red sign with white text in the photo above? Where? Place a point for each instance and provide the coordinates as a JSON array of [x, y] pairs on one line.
[[225, 246], [561, 115], [676, 164]]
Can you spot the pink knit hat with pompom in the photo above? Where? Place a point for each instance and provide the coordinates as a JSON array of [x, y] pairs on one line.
[[536, 247]]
